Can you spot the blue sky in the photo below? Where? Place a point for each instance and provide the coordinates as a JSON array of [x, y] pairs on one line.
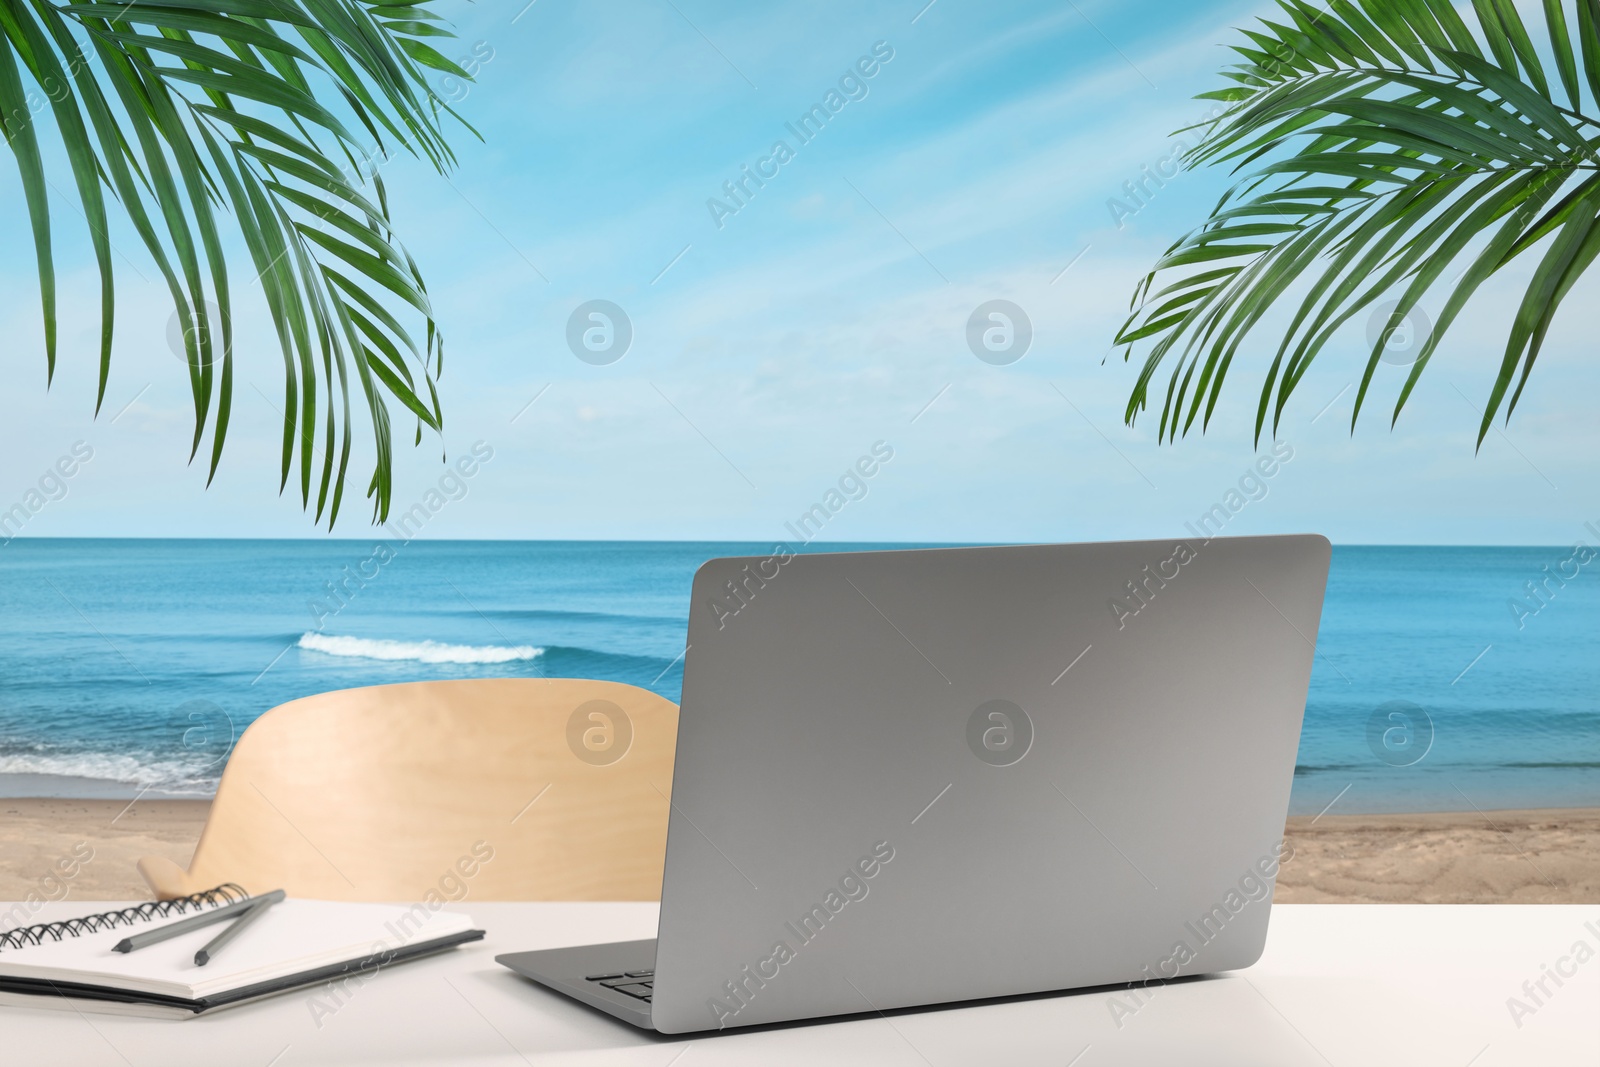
[[829, 313]]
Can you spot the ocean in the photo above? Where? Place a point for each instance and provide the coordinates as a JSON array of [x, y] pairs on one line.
[[130, 665]]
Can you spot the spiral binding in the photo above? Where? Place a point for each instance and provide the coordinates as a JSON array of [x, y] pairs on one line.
[[23, 936]]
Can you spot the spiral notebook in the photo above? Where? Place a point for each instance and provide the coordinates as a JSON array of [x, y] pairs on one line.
[[297, 943]]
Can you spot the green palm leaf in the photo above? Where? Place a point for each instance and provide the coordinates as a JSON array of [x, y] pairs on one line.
[[1384, 147], [197, 114]]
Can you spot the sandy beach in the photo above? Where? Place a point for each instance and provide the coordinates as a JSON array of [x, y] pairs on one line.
[[98, 841], [1518, 857], [1547, 856]]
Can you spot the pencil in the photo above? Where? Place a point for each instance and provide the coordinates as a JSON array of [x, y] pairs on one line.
[[194, 922], [205, 955]]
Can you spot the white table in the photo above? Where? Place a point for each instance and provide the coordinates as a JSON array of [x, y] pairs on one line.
[[1358, 985]]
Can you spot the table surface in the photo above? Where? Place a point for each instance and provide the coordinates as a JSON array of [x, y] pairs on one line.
[[1339, 984]]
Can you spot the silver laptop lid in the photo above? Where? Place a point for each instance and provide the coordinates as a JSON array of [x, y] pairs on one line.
[[915, 777]]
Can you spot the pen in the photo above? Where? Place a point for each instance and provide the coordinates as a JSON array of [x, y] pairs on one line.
[[194, 922], [205, 955]]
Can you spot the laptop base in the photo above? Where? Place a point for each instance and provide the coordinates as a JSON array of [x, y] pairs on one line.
[[572, 972]]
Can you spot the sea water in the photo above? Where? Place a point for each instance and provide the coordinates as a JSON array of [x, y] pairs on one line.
[[138, 662]]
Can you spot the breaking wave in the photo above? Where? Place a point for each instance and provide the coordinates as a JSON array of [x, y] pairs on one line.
[[416, 651]]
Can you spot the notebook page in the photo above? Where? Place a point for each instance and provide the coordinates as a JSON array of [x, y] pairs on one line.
[[291, 937]]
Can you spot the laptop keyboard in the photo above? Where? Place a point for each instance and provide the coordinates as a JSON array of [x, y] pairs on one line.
[[636, 984]]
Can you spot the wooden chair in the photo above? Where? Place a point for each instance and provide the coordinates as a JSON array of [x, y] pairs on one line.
[[483, 789]]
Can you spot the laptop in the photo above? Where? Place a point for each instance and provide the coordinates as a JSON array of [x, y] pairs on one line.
[[934, 776]]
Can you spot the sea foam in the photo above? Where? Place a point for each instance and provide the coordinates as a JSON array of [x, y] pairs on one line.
[[163, 776], [415, 651]]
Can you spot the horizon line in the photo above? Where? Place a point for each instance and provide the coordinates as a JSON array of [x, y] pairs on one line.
[[32, 539]]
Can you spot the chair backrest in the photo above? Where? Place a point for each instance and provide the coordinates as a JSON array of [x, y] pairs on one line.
[[488, 789]]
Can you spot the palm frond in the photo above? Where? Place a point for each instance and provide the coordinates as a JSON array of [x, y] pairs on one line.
[[1382, 146], [198, 114]]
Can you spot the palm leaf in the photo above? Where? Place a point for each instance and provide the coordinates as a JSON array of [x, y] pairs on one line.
[[198, 115], [1381, 146]]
